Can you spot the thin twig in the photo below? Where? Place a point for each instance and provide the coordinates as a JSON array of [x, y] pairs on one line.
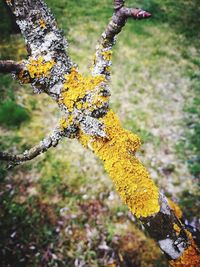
[[9, 66], [51, 140], [102, 60]]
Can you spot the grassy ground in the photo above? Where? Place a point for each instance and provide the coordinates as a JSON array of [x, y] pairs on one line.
[[61, 209]]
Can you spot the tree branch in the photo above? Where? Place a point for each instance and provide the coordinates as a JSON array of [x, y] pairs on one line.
[[118, 4], [51, 140], [48, 60], [49, 65], [102, 61], [9, 66]]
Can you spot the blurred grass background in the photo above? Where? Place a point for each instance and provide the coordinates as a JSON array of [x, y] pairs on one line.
[[61, 209]]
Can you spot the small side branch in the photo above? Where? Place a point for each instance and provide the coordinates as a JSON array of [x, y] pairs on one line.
[[9, 66], [51, 140], [102, 61], [118, 4]]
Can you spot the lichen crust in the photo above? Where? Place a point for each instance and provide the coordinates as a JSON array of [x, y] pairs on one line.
[[131, 179], [38, 68], [190, 256], [77, 87]]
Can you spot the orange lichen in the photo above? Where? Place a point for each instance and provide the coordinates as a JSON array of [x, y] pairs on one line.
[[38, 68], [131, 179], [76, 86], [190, 257], [175, 208]]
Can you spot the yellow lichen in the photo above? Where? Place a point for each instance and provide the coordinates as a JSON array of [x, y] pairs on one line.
[[175, 208], [177, 228], [76, 86], [42, 23], [108, 69], [64, 123], [98, 100], [131, 179], [39, 67], [190, 257], [107, 55]]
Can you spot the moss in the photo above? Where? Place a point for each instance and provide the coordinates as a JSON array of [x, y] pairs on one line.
[[130, 177]]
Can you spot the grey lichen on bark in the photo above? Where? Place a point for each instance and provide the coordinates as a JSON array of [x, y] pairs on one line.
[[51, 140], [43, 39]]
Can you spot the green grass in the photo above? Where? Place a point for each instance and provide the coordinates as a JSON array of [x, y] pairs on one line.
[[12, 114]]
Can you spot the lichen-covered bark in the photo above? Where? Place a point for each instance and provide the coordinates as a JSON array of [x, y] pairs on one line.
[[84, 102], [9, 66], [50, 141], [45, 45]]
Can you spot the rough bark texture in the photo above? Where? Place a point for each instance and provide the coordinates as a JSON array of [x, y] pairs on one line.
[[86, 116]]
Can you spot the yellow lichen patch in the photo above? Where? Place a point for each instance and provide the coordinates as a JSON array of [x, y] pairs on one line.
[[84, 105], [39, 67], [175, 208], [98, 100], [64, 123], [108, 69], [111, 265], [131, 179], [42, 23], [190, 257], [107, 55], [76, 86], [23, 77], [177, 228]]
